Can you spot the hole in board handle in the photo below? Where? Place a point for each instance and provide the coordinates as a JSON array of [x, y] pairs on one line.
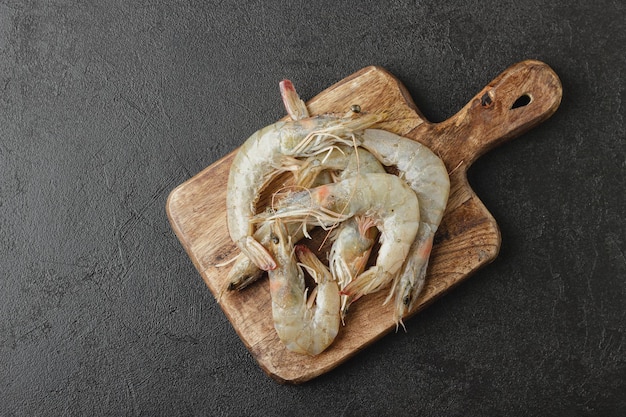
[[522, 101]]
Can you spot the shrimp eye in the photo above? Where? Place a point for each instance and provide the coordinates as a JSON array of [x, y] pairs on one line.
[[274, 239], [355, 108]]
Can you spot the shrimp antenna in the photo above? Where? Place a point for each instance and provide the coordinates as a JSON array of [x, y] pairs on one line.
[[356, 149], [313, 142], [329, 151], [226, 262], [323, 216], [285, 189], [456, 167], [328, 233]]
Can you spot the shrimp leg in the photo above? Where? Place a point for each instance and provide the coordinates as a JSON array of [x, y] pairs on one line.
[[296, 108]]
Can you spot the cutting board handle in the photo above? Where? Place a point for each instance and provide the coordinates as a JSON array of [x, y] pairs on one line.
[[520, 98]]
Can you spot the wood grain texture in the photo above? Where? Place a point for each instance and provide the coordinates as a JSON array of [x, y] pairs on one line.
[[467, 239]]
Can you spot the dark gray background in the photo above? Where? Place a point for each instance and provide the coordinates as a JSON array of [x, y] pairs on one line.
[[104, 109]]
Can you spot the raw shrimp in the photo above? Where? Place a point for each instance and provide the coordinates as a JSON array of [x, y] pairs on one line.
[[314, 171], [259, 158], [426, 174], [353, 243], [244, 272], [354, 238], [384, 198], [302, 328]]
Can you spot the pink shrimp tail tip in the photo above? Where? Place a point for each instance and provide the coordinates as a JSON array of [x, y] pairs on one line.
[[301, 250], [269, 267], [286, 85]]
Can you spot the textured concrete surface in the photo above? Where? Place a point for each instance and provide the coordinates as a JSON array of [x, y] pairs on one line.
[[105, 108]]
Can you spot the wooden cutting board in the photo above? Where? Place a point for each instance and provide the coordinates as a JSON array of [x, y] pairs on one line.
[[521, 97]]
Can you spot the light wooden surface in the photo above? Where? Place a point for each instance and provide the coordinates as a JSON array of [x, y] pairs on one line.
[[468, 237]]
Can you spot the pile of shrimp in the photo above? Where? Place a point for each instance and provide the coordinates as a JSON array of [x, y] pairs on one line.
[[341, 185]]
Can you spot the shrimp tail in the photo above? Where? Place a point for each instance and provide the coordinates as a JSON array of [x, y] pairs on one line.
[[258, 254], [313, 265], [368, 282], [296, 109]]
